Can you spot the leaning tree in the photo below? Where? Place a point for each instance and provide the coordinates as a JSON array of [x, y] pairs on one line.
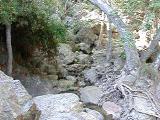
[[132, 57]]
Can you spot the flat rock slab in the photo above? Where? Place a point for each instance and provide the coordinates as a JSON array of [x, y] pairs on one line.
[[64, 106], [51, 105], [91, 94]]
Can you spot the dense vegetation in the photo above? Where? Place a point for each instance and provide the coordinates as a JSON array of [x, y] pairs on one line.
[[31, 25], [41, 24]]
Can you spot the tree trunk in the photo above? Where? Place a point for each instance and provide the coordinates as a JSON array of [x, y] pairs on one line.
[[156, 64], [9, 49], [132, 57], [100, 40], [152, 48], [109, 42], [109, 33]]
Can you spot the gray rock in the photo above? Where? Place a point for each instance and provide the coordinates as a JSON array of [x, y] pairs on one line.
[[66, 85], [72, 78], [91, 114], [91, 94], [85, 48], [90, 75], [86, 35], [134, 115], [99, 56], [56, 107], [64, 107], [13, 98], [75, 69], [66, 56], [21, 93], [112, 109], [37, 86], [144, 106], [83, 58]]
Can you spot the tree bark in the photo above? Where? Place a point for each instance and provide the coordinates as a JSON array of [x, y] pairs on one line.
[[109, 33], [9, 49], [152, 48], [156, 64], [109, 42], [100, 40], [132, 56]]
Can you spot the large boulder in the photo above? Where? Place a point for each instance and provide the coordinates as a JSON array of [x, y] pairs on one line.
[[64, 107], [13, 98], [91, 94], [66, 56]]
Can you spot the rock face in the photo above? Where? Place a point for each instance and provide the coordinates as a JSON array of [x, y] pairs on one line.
[[64, 107], [91, 94], [13, 98]]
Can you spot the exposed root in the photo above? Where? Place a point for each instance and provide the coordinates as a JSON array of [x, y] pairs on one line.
[[125, 88]]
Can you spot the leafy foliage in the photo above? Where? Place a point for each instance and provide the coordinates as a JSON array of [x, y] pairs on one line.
[[34, 15], [33, 24], [139, 11]]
